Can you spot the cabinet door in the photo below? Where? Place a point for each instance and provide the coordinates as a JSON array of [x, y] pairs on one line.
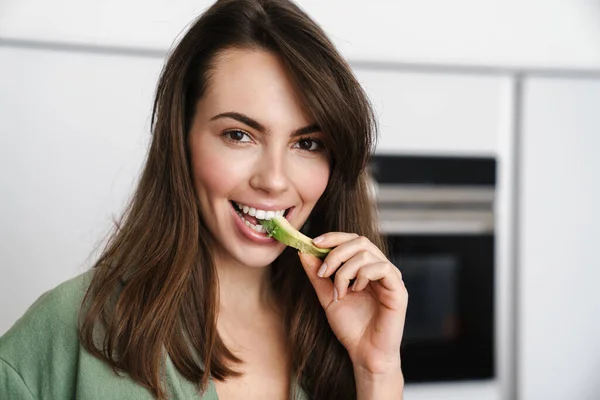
[[559, 267], [438, 113], [73, 134], [453, 114]]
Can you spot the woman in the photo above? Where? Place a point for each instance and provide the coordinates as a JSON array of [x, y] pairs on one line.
[[256, 114]]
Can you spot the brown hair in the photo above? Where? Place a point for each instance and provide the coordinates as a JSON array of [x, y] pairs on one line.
[[155, 290]]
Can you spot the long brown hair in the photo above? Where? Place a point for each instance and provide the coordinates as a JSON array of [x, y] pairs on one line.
[[155, 289]]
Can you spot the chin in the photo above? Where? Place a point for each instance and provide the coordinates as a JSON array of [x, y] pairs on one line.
[[258, 260]]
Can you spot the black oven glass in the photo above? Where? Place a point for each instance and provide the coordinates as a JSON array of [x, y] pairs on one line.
[[450, 317], [432, 280], [447, 266]]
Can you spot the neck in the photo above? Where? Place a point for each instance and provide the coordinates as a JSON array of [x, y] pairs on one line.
[[242, 288]]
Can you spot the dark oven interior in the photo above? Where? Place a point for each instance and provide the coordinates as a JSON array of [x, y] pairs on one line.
[[449, 330], [437, 215]]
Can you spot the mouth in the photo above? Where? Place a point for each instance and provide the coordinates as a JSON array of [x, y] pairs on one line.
[[251, 216]]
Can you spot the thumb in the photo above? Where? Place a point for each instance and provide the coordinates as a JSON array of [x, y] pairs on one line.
[[323, 286]]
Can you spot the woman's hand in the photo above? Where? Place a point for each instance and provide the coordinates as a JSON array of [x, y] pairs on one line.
[[367, 318]]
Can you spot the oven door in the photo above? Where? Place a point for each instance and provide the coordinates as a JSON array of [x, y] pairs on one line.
[[446, 256]]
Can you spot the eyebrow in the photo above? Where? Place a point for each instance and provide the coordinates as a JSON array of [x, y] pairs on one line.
[[252, 123]]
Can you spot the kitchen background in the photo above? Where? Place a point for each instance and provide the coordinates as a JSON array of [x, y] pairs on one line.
[[518, 81]]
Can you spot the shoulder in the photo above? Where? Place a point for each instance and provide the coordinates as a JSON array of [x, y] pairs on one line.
[[55, 309], [46, 336]]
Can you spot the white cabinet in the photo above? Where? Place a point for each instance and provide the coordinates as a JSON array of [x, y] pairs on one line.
[[536, 34], [73, 135], [438, 113], [559, 275]]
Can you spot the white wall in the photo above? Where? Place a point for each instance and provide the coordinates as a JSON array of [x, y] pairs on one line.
[[559, 324], [535, 33], [73, 131]]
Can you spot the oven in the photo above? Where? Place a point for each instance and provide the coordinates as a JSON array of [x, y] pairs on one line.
[[436, 214]]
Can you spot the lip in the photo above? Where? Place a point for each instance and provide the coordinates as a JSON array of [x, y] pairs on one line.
[[264, 206], [249, 233]]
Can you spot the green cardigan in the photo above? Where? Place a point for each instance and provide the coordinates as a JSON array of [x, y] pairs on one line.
[[41, 357]]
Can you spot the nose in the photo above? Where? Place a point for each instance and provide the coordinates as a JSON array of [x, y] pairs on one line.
[[270, 175]]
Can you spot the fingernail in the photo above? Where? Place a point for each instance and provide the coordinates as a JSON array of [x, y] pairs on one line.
[[322, 270], [335, 294], [318, 239]]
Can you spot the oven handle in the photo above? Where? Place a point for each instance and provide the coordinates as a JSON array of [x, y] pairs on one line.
[[433, 222], [435, 228]]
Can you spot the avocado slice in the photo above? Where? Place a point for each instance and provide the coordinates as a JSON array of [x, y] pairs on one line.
[[280, 229]]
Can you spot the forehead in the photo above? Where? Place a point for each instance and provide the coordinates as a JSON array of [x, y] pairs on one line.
[[256, 83]]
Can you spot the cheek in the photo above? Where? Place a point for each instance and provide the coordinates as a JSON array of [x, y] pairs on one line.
[[312, 180], [215, 173]]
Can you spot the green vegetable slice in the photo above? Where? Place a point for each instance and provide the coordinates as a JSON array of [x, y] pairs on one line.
[[280, 229]]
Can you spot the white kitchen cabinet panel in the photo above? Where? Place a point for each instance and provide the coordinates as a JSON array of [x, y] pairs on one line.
[[535, 33], [559, 267], [74, 130], [472, 390], [423, 112]]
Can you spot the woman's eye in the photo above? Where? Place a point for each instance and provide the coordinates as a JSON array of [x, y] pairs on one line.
[[309, 144], [237, 136]]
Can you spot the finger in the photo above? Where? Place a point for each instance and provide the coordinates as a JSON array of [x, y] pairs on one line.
[[333, 239], [380, 272], [362, 281], [363, 278], [323, 287], [350, 269], [345, 251]]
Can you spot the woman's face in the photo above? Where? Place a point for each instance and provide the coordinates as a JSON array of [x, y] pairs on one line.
[[254, 150]]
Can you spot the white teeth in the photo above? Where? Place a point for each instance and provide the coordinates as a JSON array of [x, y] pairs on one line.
[[259, 214], [258, 228]]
